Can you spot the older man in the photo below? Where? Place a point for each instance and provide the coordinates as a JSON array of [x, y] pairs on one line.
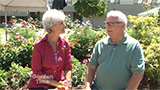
[[118, 59]]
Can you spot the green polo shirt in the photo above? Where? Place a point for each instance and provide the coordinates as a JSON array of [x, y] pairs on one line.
[[116, 62]]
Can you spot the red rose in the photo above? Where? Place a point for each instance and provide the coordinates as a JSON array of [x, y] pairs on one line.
[[10, 22], [33, 23], [23, 23], [5, 45]]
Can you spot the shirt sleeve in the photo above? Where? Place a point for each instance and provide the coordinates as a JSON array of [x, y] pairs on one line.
[[68, 64], [94, 57], [36, 62], [137, 63]]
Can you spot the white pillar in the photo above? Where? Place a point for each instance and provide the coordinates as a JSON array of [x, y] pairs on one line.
[[6, 22]]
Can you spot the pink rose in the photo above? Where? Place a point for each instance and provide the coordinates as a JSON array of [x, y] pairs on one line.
[[84, 61]]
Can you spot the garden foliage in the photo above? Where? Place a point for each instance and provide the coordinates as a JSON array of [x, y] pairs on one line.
[[18, 49], [147, 31], [83, 40], [70, 24], [78, 71], [90, 8], [16, 53], [16, 77]]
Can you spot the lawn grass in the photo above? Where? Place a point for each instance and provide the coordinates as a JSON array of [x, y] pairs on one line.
[[2, 31], [2, 37]]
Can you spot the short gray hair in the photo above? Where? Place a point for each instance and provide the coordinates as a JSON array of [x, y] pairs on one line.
[[51, 17], [118, 14]]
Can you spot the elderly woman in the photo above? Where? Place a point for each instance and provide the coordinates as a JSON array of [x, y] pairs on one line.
[[51, 59]]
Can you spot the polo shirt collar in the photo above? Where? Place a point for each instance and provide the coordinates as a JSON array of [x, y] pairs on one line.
[[123, 41]]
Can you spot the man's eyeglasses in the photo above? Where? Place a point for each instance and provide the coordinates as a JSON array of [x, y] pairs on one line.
[[112, 23]]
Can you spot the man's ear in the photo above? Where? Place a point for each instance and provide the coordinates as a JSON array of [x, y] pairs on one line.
[[122, 25]]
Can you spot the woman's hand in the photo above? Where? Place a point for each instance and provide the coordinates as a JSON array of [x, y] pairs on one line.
[[64, 85], [68, 83]]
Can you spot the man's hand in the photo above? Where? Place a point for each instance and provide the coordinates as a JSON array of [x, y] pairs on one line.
[[87, 88], [90, 73]]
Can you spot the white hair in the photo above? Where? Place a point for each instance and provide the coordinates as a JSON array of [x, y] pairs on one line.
[[51, 17], [118, 14]]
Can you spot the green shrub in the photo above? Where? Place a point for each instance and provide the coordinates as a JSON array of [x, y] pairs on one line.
[[70, 23], [144, 28], [0, 37], [16, 77], [146, 31], [23, 32], [3, 79], [8, 54], [152, 59], [83, 40], [159, 17], [24, 29], [90, 8], [78, 72], [18, 51]]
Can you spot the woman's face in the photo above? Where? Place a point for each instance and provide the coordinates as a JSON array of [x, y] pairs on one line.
[[59, 28]]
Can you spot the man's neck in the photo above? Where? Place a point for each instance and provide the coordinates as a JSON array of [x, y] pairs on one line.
[[117, 39]]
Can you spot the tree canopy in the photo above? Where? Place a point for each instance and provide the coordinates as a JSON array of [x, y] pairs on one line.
[[90, 8]]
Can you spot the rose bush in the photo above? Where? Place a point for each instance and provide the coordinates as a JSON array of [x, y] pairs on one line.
[[16, 77], [83, 40]]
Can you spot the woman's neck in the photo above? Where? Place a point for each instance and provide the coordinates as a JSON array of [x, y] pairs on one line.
[[53, 38]]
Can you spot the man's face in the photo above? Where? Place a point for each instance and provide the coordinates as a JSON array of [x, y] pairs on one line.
[[115, 26]]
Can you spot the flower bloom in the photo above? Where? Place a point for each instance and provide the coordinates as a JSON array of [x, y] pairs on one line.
[[84, 61], [82, 27], [34, 38], [79, 45], [29, 69], [24, 23], [12, 79], [33, 23], [12, 43], [78, 32], [17, 33], [88, 22], [76, 43], [72, 45], [5, 45], [17, 37], [91, 27], [10, 22], [23, 39], [77, 25]]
